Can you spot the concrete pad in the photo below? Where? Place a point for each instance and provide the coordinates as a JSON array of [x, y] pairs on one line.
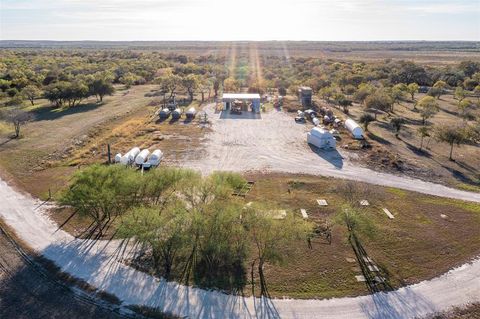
[[322, 202], [360, 278], [386, 211], [364, 202], [304, 213], [443, 216], [350, 260]]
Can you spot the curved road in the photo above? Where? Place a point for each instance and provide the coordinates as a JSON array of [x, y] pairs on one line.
[[29, 291], [100, 263]]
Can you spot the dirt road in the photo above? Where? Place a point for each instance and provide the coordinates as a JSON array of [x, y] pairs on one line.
[[274, 142], [29, 291], [100, 264]]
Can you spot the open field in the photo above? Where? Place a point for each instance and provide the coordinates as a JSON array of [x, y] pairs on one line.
[[423, 52]]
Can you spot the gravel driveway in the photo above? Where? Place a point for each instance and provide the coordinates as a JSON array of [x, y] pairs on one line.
[[273, 142]]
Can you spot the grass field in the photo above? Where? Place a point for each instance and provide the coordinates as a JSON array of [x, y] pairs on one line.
[[418, 244]]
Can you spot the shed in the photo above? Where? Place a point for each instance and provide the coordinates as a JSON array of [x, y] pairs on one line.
[[321, 138], [305, 96], [354, 128], [229, 98]]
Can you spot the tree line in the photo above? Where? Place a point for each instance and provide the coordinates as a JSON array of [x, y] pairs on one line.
[[195, 231]]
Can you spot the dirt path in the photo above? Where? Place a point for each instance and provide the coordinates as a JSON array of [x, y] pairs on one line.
[[274, 142], [29, 291], [99, 264]]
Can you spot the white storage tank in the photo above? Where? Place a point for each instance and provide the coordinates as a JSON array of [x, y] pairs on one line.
[[118, 157], [177, 113], [321, 138], [155, 158], [165, 113], [354, 128], [316, 121], [132, 154], [142, 157], [191, 113]]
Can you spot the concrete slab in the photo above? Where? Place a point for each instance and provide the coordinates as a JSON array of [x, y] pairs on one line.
[[322, 202], [304, 213], [360, 278], [350, 260], [387, 212], [364, 202]]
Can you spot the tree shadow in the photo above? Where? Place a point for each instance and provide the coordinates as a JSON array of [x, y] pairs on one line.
[[378, 139], [246, 115], [417, 151], [50, 113], [332, 156]]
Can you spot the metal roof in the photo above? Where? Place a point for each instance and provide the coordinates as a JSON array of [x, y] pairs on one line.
[[241, 96]]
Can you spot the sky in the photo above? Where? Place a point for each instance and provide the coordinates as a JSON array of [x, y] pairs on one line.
[[319, 20]]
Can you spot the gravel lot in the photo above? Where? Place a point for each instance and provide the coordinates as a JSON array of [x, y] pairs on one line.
[[274, 142]]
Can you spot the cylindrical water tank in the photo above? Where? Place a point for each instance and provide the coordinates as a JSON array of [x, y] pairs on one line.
[[191, 112], [132, 154], [118, 157], [177, 113], [142, 157], [165, 113], [155, 158], [316, 121]]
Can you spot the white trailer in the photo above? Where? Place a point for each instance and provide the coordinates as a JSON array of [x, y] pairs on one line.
[[354, 129], [321, 138]]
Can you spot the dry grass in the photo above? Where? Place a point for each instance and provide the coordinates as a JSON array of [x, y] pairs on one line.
[[432, 164], [418, 244]]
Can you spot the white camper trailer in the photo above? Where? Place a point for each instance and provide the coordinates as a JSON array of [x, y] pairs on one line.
[[321, 138]]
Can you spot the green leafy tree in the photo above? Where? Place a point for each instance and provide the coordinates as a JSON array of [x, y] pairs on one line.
[[164, 231], [412, 88], [379, 101], [451, 135], [102, 192], [428, 108], [269, 235], [397, 123], [191, 83], [31, 92], [100, 88], [366, 119], [423, 131], [460, 94]]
